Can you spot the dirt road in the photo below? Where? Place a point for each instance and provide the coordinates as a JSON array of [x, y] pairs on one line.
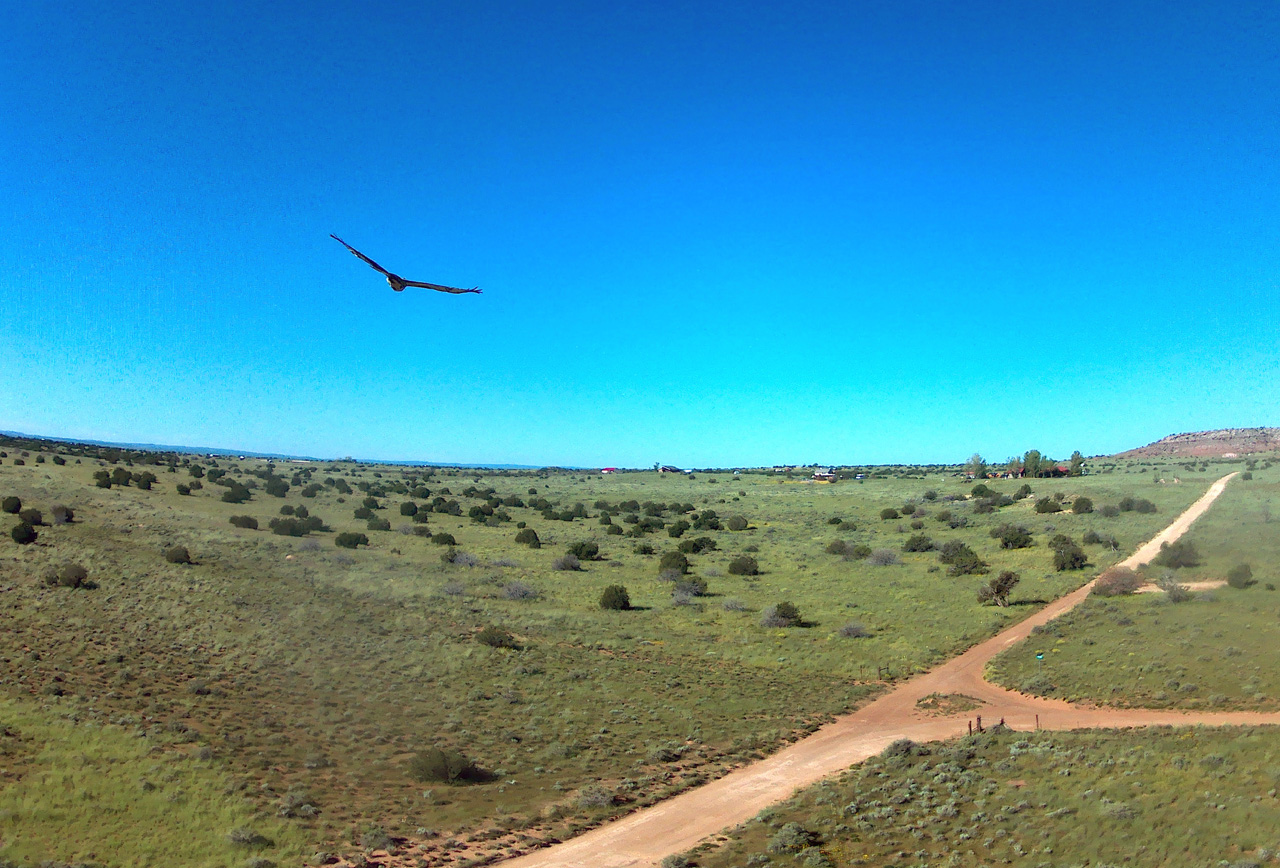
[[646, 836]]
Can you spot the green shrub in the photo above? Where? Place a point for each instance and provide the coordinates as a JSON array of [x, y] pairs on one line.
[[584, 551], [696, 546], [615, 597], [23, 534], [409, 508], [837, 547], [378, 524], [72, 576], [236, 494], [247, 522], [981, 490], [444, 539], [1240, 576], [888, 513], [1012, 536], [350, 540], [674, 561], [1069, 557], [961, 560], [1082, 505], [1047, 505], [918, 543], [436, 766], [1179, 553], [177, 555], [31, 516], [529, 537], [11, 505], [496, 637], [744, 565], [62, 514], [737, 522]]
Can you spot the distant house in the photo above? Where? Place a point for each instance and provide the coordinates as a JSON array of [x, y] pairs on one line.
[[824, 474], [667, 468], [608, 470]]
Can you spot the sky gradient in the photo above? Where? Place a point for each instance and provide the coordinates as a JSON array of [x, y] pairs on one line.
[[707, 235]]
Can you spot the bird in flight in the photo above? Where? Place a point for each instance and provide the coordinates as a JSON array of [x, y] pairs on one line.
[[397, 282]]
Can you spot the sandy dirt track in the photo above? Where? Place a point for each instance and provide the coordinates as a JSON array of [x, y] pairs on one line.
[[646, 836]]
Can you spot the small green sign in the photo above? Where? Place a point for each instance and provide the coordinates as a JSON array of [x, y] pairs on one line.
[[1039, 655]]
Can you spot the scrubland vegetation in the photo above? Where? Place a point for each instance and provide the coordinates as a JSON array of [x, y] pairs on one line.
[[1147, 797], [1206, 649], [483, 659]]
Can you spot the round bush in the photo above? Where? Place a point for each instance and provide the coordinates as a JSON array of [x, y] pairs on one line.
[[615, 597], [737, 522], [23, 534], [888, 513], [409, 508], [31, 516], [529, 537], [1082, 505], [585, 550], [72, 576], [247, 522], [350, 539], [744, 565], [444, 539], [62, 514], [436, 766], [674, 561], [378, 524], [177, 555], [11, 505], [1240, 576]]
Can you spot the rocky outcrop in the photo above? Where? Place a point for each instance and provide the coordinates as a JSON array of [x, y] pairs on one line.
[[1210, 444]]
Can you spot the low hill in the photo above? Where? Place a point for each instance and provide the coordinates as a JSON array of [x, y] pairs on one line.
[[1204, 444]]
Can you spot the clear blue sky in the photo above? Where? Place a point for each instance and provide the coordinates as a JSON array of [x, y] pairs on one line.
[[707, 233]]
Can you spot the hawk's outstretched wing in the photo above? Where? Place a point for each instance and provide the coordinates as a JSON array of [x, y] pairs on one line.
[[440, 288], [375, 266]]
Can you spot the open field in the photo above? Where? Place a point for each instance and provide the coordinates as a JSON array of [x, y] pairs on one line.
[[1217, 650], [311, 675], [1137, 797]]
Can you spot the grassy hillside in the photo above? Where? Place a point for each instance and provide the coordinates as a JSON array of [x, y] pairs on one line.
[[311, 676]]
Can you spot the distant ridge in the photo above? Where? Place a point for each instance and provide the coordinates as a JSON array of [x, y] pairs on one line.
[[244, 453], [1210, 444]]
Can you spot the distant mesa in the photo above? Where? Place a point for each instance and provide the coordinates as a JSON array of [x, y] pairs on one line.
[[1223, 443]]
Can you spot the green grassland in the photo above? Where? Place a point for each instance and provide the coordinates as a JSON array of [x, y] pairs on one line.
[[1143, 798], [1217, 650], [310, 675]]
